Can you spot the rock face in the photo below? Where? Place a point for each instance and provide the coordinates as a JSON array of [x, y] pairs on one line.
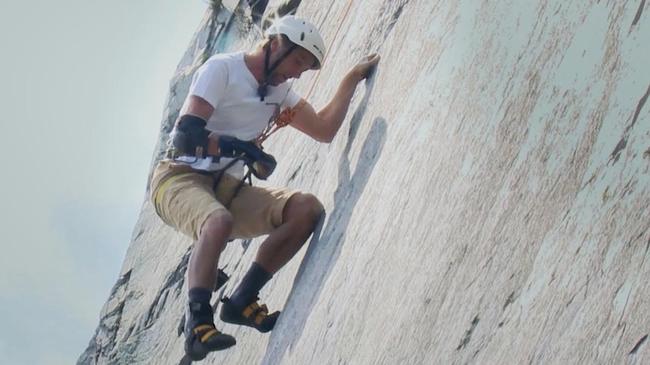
[[487, 196]]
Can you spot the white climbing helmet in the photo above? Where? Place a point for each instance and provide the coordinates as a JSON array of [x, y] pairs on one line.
[[302, 33]]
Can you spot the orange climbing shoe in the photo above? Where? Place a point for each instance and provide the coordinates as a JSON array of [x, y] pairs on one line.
[[201, 337], [253, 315]]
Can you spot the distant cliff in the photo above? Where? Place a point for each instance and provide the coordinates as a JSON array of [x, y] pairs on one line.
[[487, 197]]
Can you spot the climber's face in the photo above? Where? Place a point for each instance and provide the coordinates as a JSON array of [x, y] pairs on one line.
[[293, 65]]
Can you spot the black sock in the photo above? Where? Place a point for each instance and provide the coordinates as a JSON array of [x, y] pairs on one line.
[[200, 295], [250, 286], [199, 308]]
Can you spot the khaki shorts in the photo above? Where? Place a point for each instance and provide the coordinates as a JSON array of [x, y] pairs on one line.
[[184, 198]]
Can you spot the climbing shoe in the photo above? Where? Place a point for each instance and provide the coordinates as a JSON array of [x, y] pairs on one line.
[[253, 315], [201, 337]]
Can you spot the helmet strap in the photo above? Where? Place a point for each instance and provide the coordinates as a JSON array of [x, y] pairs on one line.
[[262, 90]]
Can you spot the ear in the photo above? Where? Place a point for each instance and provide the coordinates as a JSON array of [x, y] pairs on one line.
[[275, 43]]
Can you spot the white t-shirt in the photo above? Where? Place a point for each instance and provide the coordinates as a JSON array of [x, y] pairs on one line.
[[227, 84]]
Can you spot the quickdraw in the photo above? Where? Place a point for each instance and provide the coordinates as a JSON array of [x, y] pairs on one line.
[[283, 119]]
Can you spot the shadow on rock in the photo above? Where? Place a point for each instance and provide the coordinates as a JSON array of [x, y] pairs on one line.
[[324, 249]]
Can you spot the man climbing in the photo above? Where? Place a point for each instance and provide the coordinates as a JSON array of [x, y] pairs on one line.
[[199, 188]]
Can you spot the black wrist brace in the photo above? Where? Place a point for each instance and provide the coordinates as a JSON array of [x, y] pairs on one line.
[[190, 134]]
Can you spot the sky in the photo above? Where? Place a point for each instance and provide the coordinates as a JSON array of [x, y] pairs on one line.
[[83, 86]]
